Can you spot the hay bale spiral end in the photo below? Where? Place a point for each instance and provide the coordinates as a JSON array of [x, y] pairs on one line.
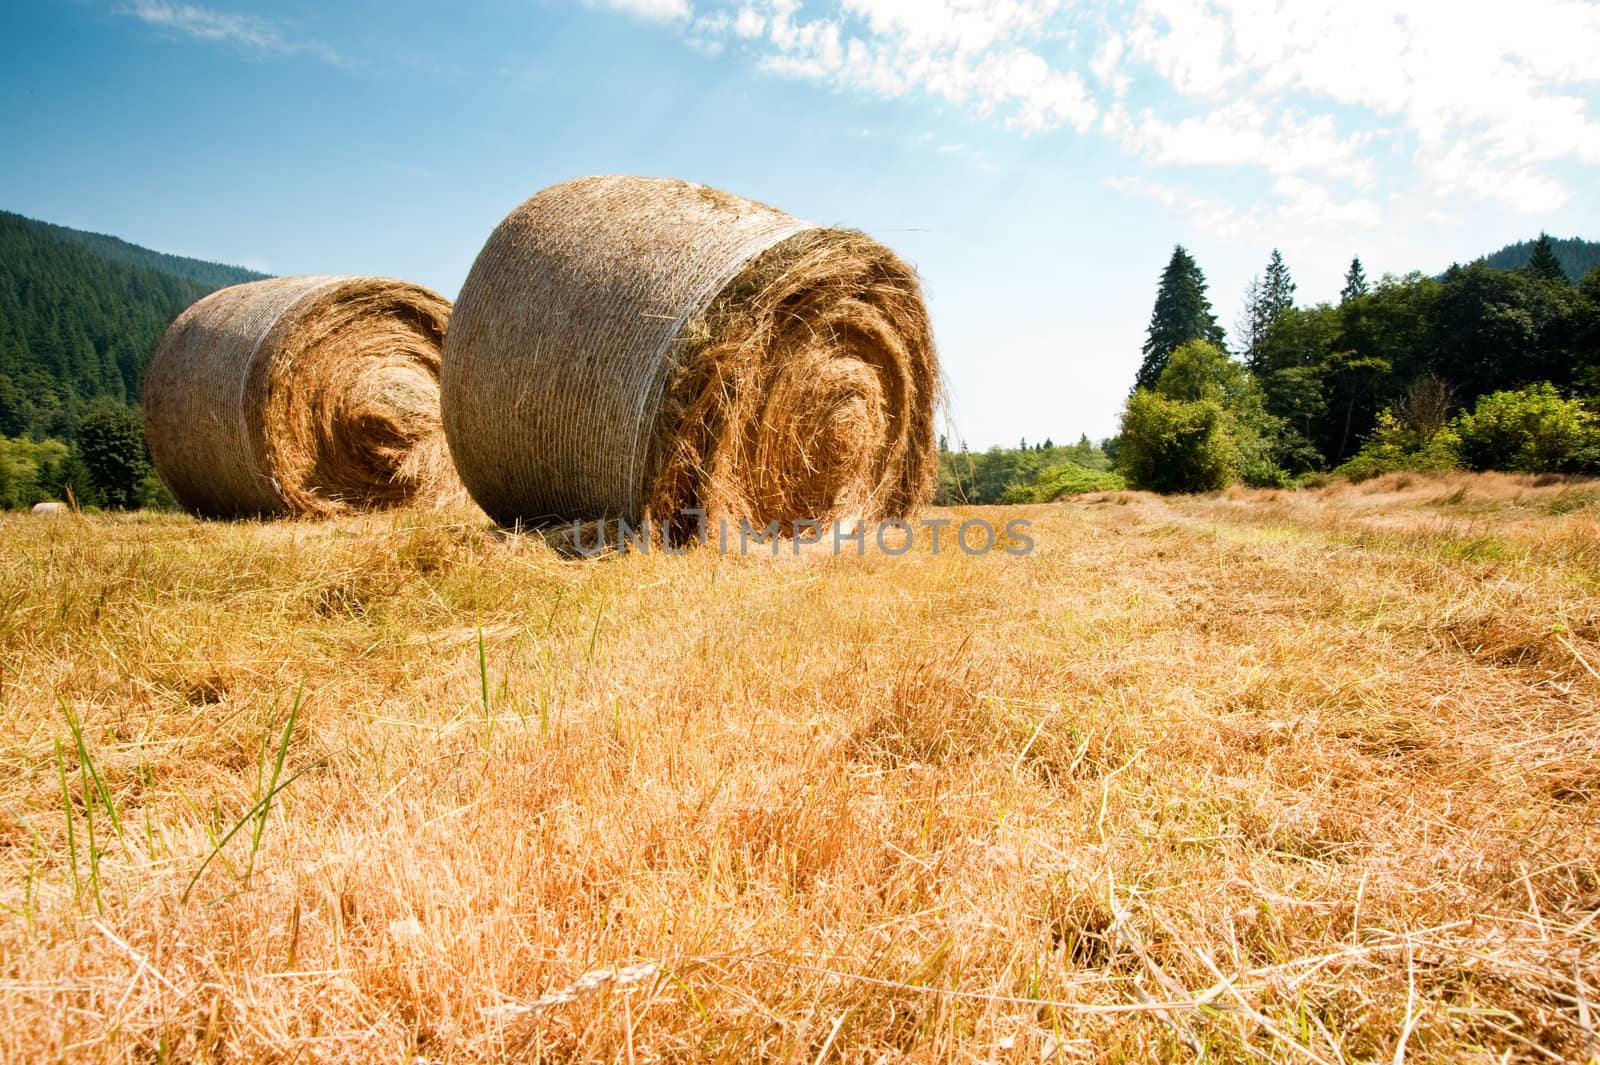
[[302, 396]]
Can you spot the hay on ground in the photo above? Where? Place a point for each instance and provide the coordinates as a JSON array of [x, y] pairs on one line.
[[305, 396], [633, 347]]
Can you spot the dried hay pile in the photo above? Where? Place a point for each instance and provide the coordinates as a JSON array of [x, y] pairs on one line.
[[632, 347], [302, 396]]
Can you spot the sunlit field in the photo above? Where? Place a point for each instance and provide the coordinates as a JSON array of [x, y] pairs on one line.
[[1294, 776]]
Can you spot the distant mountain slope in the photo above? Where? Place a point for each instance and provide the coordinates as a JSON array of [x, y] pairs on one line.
[[80, 314], [215, 275], [1577, 256]]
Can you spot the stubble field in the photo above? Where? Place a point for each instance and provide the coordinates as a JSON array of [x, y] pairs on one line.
[[1305, 776]]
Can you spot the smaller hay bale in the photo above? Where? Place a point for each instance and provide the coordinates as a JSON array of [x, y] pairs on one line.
[[302, 396], [51, 507]]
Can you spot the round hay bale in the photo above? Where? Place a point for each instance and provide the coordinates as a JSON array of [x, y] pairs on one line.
[[303, 396], [631, 348]]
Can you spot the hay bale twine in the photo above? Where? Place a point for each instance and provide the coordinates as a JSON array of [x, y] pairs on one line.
[[303, 396], [631, 347]]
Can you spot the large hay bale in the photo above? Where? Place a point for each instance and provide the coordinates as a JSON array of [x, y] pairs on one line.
[[303, 396], [630, 347]]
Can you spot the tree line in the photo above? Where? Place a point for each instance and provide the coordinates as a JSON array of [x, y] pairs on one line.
[[1493, 365], [1028, 473], [1482, 367]]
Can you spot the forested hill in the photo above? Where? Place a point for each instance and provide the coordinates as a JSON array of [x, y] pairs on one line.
[[1576, 256], [80, 314], [215, 275]]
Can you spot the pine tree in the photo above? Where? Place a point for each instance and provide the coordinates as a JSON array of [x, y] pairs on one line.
[[1544, 264], [1265, 301], [1279, 287], [1355, 282], [1182, 313], [1246, 328]]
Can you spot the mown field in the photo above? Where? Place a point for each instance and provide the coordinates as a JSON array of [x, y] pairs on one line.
[[1258, 776]]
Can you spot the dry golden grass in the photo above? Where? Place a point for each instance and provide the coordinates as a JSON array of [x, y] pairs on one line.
[[1258, 776]]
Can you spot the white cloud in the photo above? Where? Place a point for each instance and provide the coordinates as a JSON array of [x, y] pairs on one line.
[[1434, 97], [1185, 44], [242, 31], [1301, 206], [708, 32], [1486, 92], [1246, 133], [962, 26], [1311, 204], [658, 10], [749, 23], [1044, 98], [1106, 65], [979, 55]]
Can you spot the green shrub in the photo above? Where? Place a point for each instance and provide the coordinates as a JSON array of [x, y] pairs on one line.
[[1533, 430], [111, 442], [71, 480], [1170, 445], [1065, 479], [1001, 474], [153, 494], [1202, 372], [30, 472], [1393, 446]]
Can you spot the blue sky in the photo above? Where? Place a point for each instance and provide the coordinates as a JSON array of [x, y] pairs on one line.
[[1035, 159]]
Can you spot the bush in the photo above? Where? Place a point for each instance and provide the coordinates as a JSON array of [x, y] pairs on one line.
[[1393, 445], [1202, 372], [111, 442], [1533, 430], [30, 472], [1066, 479], [8, 480], [1170, 445], [1009, 474], [153, 494], [71, 481]]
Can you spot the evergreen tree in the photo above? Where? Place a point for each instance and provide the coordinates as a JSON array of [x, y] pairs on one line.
[[1182, 313], [1266, 300], [1576, 255], [1544, 264], [1277, 293], [1355, 282], [1247, 331]]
